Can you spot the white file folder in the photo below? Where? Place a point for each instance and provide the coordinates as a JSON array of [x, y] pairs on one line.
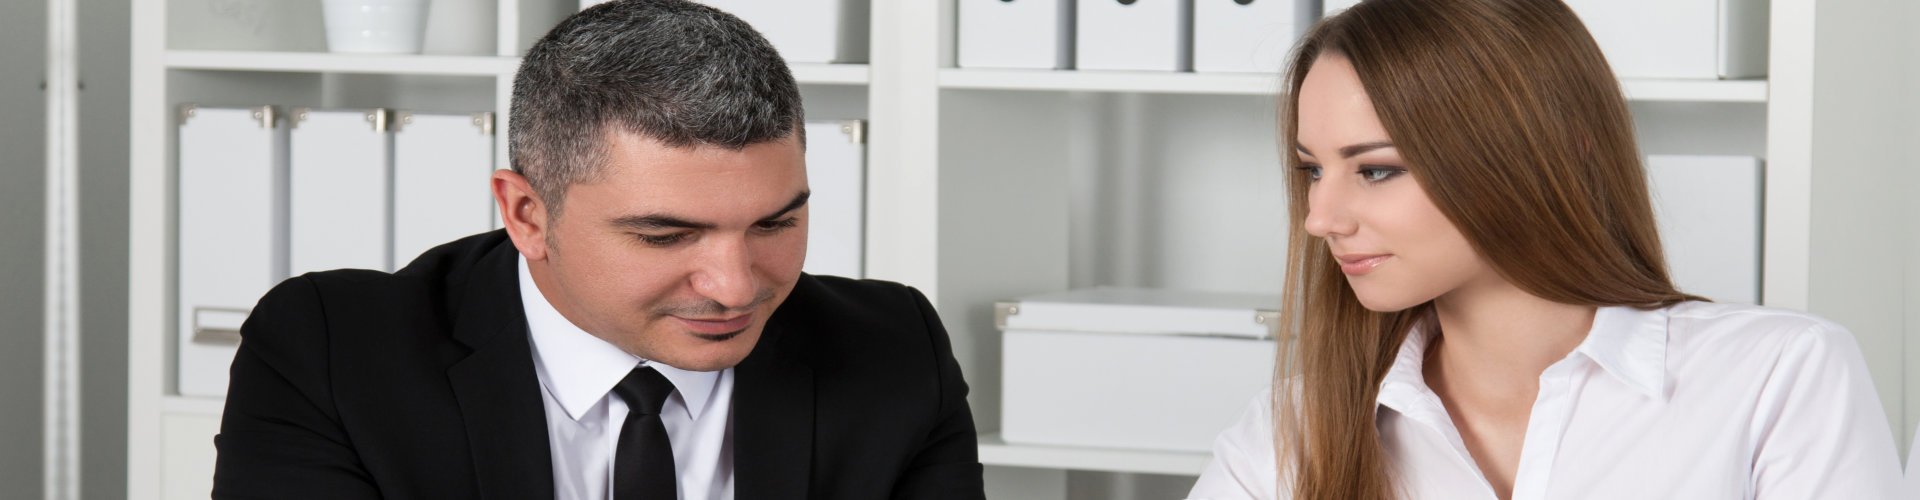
[[232, 240], [441, 166], [1138, 35], [341, 194], [1021, 34], [836, 211], [1708, 208], [1245, 36]]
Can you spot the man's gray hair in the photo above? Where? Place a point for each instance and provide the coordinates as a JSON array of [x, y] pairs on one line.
[[674, 71]]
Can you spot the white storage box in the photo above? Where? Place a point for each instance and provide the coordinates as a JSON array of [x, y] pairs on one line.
[[837, 210], [804, 31], [1708, 208], [1331, 7], [1137, 35], [1245, 36], [233, 240], [1132, 368], [341, 199], [807, 31], [1021, 34], [1702, 39], [441, 167]]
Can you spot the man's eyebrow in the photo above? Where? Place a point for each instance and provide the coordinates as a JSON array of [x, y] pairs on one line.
[[1351, 151], [657, 222], [797, 202]]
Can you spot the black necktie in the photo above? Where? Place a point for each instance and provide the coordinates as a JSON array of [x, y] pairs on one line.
[[643, 462]]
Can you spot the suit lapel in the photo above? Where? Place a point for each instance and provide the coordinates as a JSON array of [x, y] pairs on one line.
[[773, 422], [498, 391]]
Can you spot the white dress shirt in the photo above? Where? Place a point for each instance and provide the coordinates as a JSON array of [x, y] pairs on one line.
[[577, 373], [1699, 401]]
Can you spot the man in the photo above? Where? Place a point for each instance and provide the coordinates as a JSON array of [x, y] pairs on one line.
[[641, 328]]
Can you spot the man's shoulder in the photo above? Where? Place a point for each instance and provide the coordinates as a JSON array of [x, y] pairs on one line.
[[840, 311], [431, 285], [843, 295]]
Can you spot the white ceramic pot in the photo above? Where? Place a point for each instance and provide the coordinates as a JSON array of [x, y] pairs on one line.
[[375, 26]]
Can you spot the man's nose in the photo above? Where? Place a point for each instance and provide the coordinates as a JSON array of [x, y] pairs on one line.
[[725, 272]]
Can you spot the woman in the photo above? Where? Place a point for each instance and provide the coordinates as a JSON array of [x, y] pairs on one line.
[[1481, 302]]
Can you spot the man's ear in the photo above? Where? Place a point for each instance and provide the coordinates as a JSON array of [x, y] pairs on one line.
[[522, 212]]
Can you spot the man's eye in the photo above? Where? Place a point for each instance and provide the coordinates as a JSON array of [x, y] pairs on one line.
[[661, 241], [776, 225]]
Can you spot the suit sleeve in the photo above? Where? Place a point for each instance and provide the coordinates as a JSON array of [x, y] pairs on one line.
[[947, 465], [280, 436]]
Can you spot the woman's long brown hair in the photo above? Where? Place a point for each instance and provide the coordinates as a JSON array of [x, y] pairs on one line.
[[1518, 131]]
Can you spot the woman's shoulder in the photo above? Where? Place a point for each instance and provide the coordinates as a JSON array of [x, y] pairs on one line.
[[1720, 323], [1730, 339]]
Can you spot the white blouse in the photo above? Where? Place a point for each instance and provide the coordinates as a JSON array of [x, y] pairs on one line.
[[1700, 401]]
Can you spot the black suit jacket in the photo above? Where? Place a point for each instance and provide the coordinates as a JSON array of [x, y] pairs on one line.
[[420, 385]]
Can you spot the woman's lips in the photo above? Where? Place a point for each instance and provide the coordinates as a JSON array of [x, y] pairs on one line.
[[716, 326], [1356, 265]]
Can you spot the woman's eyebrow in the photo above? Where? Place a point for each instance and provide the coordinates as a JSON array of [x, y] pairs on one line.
[[1351, 151]]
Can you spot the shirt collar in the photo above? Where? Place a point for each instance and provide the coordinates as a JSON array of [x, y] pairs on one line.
[[579, 369], [1629, 344], [1404, 389]]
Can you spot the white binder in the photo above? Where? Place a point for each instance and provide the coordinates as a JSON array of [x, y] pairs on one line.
[[1137, 35], [1021, 34], [1245, 36], [836, 211], [1708, 208], [341, 194], [232, 241], [441, 167]]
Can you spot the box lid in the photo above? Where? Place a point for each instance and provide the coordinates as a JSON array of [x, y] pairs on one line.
[[1144, 311]]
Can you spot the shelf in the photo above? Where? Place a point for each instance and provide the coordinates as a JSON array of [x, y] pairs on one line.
[[1110, 81], [1267, 84], [830, 74], [996, 451], [189, 405], [1642, 89], [407, 64], [324, 62]]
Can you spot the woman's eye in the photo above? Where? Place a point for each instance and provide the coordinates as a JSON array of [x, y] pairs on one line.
[[1377, 174], [662, 240], [1312, 171]]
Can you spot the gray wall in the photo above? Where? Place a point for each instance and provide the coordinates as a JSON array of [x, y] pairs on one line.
[[103, 58], [23, 42], [105, 46]]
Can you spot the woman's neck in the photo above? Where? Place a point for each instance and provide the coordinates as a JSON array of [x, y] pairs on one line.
[[1496, 338]]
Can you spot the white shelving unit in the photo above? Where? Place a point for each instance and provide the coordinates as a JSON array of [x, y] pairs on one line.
[[1259, 84], [990, 184]]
